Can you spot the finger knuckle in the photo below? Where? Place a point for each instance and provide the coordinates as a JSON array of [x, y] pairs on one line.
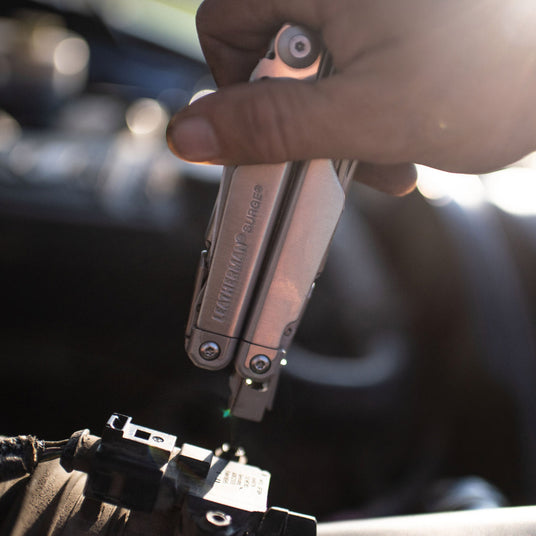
[[267, 124]]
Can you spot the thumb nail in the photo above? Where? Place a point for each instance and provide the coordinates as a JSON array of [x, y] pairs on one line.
[[194, 139]]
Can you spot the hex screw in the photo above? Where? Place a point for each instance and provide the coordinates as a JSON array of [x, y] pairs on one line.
[[260, 364], [209, 350]]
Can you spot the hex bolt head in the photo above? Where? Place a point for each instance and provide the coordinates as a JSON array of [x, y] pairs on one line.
[[209, 351], [260, 364]]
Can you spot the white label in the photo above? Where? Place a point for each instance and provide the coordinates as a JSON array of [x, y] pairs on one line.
[[235, 485]]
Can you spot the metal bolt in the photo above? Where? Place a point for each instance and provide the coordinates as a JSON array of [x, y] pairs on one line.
[[218, 519], [300, 46], [209, 350], [260, 364]]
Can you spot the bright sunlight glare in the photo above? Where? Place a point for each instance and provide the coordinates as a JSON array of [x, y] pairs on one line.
[[513, 190], [440, 187]]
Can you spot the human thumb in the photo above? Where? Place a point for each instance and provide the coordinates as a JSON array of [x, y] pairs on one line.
[[262, 122]]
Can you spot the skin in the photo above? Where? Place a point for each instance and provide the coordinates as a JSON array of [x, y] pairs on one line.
[[446, 83]]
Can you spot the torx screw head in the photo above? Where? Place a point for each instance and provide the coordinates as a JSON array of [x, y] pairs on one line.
[[260, 364], [300, 46], [209, 350], [297, 47]]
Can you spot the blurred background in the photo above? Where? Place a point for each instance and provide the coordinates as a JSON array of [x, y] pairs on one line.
[[412, 383]]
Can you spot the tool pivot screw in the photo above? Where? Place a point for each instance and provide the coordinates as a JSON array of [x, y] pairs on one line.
[[260, 364], [209, 350], [300, 46]]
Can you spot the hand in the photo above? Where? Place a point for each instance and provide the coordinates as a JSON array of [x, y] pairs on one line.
[[450, 84]]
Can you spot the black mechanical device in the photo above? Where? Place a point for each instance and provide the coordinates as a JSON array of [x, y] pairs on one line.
[[139, 482], [142, 469]]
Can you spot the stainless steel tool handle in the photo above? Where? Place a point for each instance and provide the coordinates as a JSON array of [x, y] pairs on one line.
[[268, 237]]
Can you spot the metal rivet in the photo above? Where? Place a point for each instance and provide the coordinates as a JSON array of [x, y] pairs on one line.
[[158, 439], [260, 364], [218, 519], [209, 350]]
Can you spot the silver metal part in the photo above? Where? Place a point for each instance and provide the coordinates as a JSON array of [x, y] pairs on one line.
[[298, 47], [266, 244], [218, 519], [260, 364], [209, 350]]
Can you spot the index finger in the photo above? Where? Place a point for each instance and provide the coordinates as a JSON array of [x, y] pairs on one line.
[[234, 34]]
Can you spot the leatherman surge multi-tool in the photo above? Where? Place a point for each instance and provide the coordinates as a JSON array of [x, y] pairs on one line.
[[265, 246]]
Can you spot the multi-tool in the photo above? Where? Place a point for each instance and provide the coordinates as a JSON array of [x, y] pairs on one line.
[[266, 244]]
